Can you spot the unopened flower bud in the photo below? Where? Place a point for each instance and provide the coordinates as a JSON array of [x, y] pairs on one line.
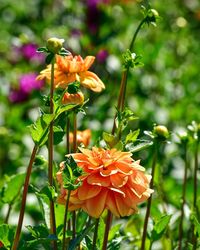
[[161, 132], [77, 98], [153, 13], [183, 136], [54, 45]]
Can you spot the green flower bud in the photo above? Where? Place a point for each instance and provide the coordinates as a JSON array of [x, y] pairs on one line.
[[183, 136], [161, 132], [152, 13], [54, 45]]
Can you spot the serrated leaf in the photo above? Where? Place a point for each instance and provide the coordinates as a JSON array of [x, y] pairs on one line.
[[160, 227], [63, 108], [6, 235], [135, 148], [12, 188], [132, 136], [40, 129]]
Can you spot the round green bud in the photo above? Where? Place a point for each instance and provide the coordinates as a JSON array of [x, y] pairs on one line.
[[54, 45], [161, 132], [153, 13]]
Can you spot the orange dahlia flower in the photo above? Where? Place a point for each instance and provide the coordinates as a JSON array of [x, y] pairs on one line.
[[112, 180], [69, 69], [82, 137], [77, 98]]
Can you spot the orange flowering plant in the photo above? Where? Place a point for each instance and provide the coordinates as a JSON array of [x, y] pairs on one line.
[[94, 184]]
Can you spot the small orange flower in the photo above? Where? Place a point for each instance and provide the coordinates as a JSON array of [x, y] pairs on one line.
[[82, 137], [77, 98], [69, 69], [112, 180]]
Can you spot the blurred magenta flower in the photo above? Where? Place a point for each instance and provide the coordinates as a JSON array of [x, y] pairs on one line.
[[29, 52], [27, 84], [102, 55]]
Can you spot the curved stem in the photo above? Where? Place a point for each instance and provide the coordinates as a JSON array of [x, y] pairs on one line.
[[8, 213], [183, 199], [108, 225], [24, 195], [67, 134], [50, 156], [95, 234], [150, 199]]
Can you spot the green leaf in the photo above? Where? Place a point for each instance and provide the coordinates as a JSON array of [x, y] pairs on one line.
[[58, 134], [132, 136], [49, 58], [135, 148], [110, 139], [42, 49], [196, 223], [101, 230], [40, 231], [40, 129], [113, 231], [74, 243], [88, 242], [81, 219], [59, 109], [12, 188], [6, 235], [160, 227]]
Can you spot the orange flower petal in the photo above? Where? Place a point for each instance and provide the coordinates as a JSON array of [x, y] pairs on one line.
[[93, 209], [124, 168], [86, 192], [91, 81], [118, 180], [97, 179], [88, 61]]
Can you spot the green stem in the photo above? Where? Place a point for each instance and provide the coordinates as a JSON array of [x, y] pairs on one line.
[[195, 188], [95, 234], [108, 225], [74, 150], [24, 195], [8, 213], [144, 235], [50, 156], [67, 134], [65, 219], [183, 198]]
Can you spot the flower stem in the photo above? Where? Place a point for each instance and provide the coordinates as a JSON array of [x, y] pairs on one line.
[[95, 234], [150, 198], [183, 198], [195, 188], [68, 194], [65, 219], [74, 150], [67, 134], [8, 213], [122, 92], [50, 156], [24, 195], [108, 225]]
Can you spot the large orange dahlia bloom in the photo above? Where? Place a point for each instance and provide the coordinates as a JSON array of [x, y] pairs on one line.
[[111, 180], [69, 69]]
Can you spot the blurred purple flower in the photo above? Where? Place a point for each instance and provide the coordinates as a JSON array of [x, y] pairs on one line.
[[102, 55], [29, 52], [27, 83], [17, 96]]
